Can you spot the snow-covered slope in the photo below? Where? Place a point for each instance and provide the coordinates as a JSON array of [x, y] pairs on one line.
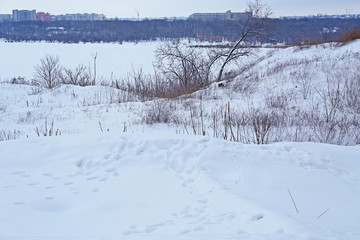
[[111, 176], [136, 186]]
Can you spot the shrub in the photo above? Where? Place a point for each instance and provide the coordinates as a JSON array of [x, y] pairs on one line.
[[350, 36], [159, 112], [48, 72]]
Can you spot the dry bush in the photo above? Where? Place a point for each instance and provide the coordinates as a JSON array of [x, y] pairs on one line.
[[19, 80], [262, 121], [159, 112], [182, 66], [350, 36], [48, 130], [248, 84], [35, 90], [278, 100], [351, 92], [148, 87], [48, 72], [306, 43], [303, 81], [80, 76], [9, 135], [2, 108]]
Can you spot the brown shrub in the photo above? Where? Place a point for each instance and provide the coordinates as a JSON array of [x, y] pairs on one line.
[[350, 36]]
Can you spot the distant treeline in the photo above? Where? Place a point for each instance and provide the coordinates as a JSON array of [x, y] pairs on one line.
[[288, 31]]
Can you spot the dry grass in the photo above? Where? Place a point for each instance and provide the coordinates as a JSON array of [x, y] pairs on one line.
[[350, 36]]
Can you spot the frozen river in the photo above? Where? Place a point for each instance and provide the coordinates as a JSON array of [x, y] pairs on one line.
[[19, 59]]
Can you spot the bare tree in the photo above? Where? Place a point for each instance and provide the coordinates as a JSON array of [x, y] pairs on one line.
[[48, 72], [190, 68], [180, 64], [254, 26], [78, 76]]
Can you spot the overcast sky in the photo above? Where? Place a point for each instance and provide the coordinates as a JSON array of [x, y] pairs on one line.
[[169, 8]]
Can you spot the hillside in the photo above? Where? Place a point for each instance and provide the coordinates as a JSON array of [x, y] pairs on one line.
[[98, 162]]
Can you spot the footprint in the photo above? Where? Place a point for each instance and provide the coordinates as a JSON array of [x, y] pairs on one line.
[[79, 163], [33, 184], [187, 182], [257, 217], [68, 183], [50, 198], [203, 201], [130, 232], [49, 187], [95, 190], [18, 203], [185, 232], [156, 225], [200, 228], [150, 230], [111, 170], [92, 178]]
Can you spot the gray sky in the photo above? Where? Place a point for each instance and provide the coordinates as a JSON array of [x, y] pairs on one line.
[[169, 8]]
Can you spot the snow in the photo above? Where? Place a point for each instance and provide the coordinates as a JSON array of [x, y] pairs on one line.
[[127, 180], [113, 59], [138, 186]]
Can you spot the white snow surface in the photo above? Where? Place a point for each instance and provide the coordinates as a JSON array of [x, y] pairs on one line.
[[148, 183], [141, 186], [113, 59]]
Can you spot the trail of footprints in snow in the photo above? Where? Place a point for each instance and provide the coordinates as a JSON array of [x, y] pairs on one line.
[[87, 169], [51, 188]]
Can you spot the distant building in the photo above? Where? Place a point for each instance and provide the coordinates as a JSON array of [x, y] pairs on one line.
[[79, 17], [5, 17], [24, 15], [41, 16], [218, 16]]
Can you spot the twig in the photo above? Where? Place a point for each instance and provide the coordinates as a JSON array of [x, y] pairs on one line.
[[125, 128], [293, 201], [323, 213], [101, 127]]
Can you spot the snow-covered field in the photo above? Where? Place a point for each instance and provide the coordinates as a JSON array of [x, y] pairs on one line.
[[110, 176], [19, 59], [136, 186]]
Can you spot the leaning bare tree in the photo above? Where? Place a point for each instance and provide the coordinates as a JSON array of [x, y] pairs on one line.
[[48, 72], [189, 68], [255, 25]]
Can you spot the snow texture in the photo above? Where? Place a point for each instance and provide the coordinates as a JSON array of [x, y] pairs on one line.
[[136, 182], [135, 186]]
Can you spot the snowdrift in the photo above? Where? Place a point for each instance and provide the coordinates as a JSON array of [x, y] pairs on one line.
[[137, 186]]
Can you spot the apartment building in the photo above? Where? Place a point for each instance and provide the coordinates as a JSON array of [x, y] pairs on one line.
[[79, 17], [218, 16], [23, 15], [41, 16], [5, 17]]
